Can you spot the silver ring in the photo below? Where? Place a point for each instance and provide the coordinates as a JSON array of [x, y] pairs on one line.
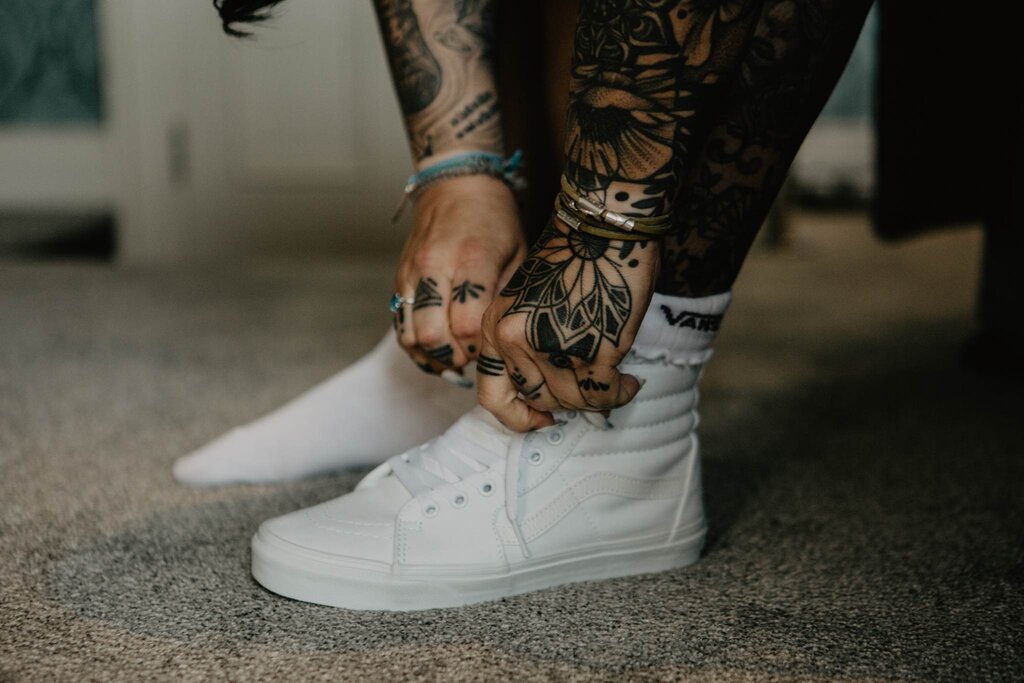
[[397, 301]]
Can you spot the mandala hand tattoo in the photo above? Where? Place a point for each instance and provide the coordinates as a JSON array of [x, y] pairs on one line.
[[426, 294], [574, 293]]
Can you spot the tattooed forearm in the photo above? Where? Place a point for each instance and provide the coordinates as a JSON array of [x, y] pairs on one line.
[[575, 291], [427, 294], [796, 54], [416, 71], [440, 55], [490, 365], [644, 77], [467, 290]]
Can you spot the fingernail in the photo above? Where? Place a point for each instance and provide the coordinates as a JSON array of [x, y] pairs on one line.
[[457, 379]]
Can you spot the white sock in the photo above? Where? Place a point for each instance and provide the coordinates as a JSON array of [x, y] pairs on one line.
[[380, 406], [679, 329], [668, 356]]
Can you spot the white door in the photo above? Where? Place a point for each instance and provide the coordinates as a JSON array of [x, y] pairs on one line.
[[289, 142]]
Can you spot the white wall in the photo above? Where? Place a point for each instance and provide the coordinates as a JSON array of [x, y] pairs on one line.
[[216, 148], [65, 168]]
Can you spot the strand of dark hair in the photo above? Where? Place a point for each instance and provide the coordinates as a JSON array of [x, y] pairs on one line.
[[234, 12]]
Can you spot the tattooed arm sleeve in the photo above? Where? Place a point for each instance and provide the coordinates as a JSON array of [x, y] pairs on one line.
[[646, 76], [440, 52]]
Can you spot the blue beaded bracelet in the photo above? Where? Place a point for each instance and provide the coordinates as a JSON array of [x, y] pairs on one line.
[[468, 163]]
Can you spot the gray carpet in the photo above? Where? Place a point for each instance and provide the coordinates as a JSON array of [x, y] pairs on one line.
[[865, 494]]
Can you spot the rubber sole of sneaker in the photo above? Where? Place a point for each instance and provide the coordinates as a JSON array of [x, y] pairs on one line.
[[302, 574]]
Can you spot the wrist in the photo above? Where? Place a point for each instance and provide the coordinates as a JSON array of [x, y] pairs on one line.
[[441, 156], [464, 164], [465, 187]]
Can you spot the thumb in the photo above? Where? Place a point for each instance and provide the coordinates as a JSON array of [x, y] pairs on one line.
[[604, 388]]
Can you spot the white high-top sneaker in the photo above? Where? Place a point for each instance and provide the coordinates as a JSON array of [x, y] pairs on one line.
[[481, 512]]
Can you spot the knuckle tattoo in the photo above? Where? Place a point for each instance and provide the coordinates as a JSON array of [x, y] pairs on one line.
[[426, 295], [443, 354], [466, 291]]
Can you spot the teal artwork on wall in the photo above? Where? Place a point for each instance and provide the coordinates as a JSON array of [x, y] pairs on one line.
[[854, 94], [49, 62]]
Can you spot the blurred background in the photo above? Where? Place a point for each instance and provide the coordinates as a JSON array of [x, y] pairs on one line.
[[195, 229], [138, 132]]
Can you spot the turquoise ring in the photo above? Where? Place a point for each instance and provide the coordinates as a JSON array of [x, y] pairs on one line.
[[397, 301]]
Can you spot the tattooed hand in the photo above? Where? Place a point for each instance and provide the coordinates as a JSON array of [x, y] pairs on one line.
[[559, 328], [465, 243]]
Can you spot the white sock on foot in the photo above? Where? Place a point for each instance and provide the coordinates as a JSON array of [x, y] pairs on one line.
[[377, 407]]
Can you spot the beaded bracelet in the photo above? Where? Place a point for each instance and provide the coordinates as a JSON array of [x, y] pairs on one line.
[[468, 163]]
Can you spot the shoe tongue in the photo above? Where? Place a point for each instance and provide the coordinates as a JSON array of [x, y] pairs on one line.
[[474, 439], [475, 430], [480, 417]]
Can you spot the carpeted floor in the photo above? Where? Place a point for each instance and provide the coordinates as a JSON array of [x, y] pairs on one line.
[[866, 495]]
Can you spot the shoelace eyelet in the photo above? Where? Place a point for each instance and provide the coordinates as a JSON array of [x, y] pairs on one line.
[[459, 500], [555, 437], [429, 510], [571, 415], [535, 457], [487, 488]]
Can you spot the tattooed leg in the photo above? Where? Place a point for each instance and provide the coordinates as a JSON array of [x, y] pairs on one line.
[[646, 76], [797, 53]]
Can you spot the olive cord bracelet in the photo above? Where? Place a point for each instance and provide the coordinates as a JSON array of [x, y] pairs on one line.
[[468, 163], [593, 218]]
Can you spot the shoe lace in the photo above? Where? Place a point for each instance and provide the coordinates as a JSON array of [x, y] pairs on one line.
[[476, 442]]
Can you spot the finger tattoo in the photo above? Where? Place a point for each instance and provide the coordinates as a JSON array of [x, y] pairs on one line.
[[588, 384], [400, 321], [442, 354], [426, 294], [489, 365], [532, 394], [467, 290]]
